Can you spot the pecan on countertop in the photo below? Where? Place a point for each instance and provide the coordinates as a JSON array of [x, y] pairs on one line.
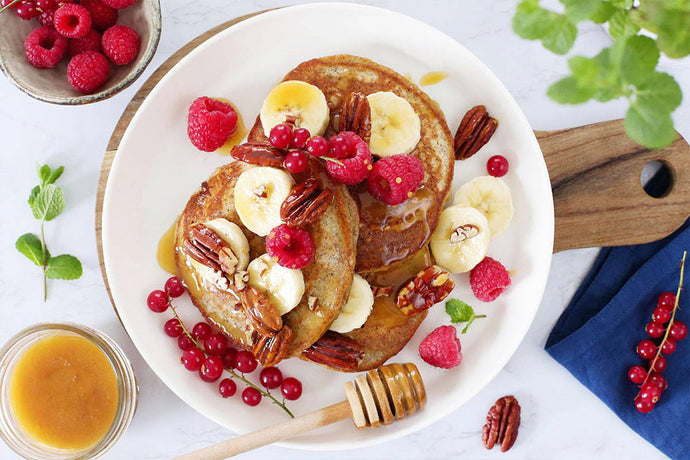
[[502, 424]]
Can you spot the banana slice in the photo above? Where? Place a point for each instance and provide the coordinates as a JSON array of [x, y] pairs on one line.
[[283, 286], [461, 239], [395, 126], [259, 192], [298, 99], [357, 309], [491, 196], [232, 234]]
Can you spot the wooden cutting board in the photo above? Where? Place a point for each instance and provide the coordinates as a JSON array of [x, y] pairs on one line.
[[594, 169]]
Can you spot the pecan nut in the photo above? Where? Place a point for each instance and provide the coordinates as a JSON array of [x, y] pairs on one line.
[[335, 350], [427, 288], [502, 424], [206, 247], [270, 349], [355, 116], [258, 153], [381, 291], [464, 232], [305, 203], [260, 311], [475, 130]]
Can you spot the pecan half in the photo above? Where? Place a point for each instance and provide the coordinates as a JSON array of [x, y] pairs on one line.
[[355, 116], [305, 203], [270, 349], [258, 153], [464, 232], [502, 424], [429, 287], [335, 350], [475, 130], [206, 247], [381, 291], [260, 311]]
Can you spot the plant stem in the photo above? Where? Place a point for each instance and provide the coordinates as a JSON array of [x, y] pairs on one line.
[[44, 261], [9, 6]]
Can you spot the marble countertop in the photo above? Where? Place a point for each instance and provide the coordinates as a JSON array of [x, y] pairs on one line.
[[560, 417]]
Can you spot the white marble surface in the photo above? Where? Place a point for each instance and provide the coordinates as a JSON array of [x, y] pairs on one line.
[[561, 419]]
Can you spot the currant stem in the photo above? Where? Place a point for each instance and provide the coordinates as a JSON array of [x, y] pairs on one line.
[[9, 6]]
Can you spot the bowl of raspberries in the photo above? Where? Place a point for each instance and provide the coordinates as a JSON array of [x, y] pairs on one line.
[[77, 51]]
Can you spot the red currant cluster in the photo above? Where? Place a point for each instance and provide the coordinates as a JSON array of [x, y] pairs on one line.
[[652, 383], [208, 352]]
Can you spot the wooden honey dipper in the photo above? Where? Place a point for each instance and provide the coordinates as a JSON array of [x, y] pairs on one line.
[[391, 392]]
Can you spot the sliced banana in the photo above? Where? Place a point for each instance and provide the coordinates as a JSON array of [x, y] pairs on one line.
[[491, 196], [357, 309], [259, 193], [232, 234], [298, 99], [461, 239], [283, 286], [395, 126]]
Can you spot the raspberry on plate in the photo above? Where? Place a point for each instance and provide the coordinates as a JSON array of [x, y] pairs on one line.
[[72, 20], [44, 47], [88, 71], [89, 42], [489, 279], [393, 179], [356, 161], [121, 44], [119, 4], [292, 247], [210, 123], [441, 348], [102, 15]]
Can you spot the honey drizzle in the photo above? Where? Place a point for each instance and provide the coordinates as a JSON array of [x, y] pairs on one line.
[[432, 78], [166, 251], [238, 136]]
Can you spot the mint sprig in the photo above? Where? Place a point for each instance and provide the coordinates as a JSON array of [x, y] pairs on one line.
[[460, 312], [627, 68], [47, 201]]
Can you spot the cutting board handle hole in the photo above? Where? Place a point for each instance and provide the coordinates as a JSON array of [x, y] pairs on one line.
[[656, 179]]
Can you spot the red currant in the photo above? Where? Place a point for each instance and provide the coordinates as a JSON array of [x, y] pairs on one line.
[[291, 388], [45, 5], [174, 287], [201, 330], [173, 328], [658, 380], [26, 10], [296, 161], [650, 392], [271, 377], [212, 369], [636, 374], [251, 396], [340, 147], [216, 344], [192, 359], [661, 315], [659, 364], [229, 358], [299, 138], [245, 362], [667, 300], [185, 343], [497, 166], [4, 3], [227, 388], [643, 406], [318, 146], [655, 330], [678, 331], [646, 349], [158, 301], [669, 346], [280, 136]]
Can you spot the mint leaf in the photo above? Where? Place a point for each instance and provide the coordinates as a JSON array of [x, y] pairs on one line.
[[55, 175], [44, 174], [661, 91], [579, 10], [568, 91], [49, 203], [653, 130], [531, 21], [603, 12], [561, 35], [33, 195], [460, 312], [639, 59], [622, 25], [30, 245], [670, 20], [64, 267], [585, 70], [621, 3]]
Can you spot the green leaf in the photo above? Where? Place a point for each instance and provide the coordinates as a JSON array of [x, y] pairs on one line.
[[622, 3], [568, 91], [561, 35], [43, 174], [660, 91], [64, 267], [30, 245], [603, 12], [650, 128], [640, 57], [459, 311], [622, 25], [33, 195], [579, 10], [531, 21], [55, 175], [49, 203], [673, 30], [585, 70]]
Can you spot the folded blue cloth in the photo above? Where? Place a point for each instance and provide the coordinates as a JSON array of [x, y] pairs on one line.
[[596, 336]]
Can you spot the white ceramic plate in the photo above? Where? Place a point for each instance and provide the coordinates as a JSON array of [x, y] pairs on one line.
[[156, 169]]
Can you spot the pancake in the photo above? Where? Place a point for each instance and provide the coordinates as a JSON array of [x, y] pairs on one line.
[[327, 277], [387, 234]]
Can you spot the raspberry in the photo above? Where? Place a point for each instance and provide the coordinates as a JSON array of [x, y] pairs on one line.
[[441, 348], [121, 44], [44, 47], [356, 166], [46, 18], [102, 16], [88, 71], [210, 123], [489, 279], [393, 179], [72, 20], [119, 4], [89, 42], [292, 247]]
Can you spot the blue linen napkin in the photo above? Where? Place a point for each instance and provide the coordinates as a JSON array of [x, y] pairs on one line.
[[596, 336]]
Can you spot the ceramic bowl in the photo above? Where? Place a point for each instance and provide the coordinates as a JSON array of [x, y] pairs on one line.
[[51, 85]]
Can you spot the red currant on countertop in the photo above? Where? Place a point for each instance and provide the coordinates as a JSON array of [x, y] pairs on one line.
[[636, 374], [245, 362], [174, 287], [296, 161], [173, 328], [497, 166], [212, 369], [227, 388], [646, 349], [291, 388], [192, 359], [280, 136], [271, 377], [158, 301], [251, 396]]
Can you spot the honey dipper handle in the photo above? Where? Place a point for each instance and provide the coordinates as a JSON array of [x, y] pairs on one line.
[[271, 434]]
